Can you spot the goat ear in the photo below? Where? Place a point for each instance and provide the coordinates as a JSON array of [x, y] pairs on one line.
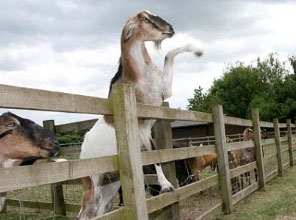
[[128, 31]]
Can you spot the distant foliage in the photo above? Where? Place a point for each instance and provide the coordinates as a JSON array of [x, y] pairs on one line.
[[73, 137], [268, 85]]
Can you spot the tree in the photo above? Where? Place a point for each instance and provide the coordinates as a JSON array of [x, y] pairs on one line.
[[267, 85]]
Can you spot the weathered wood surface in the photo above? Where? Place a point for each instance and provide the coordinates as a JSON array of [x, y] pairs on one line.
[[240, 145], [211, 213], [117, 214], [164, 140], [265, 124], [75, 126], [36, 99], [258, 148], [244, 193], [267, 141], [269, 157], [243, 169], [46, 173], [223, 164], [69, 151], [166, 155], [166, 199], [148, 111], [129, 154], [278, 146], [272, 174], [57, 195], [237, 121], [290, 144]]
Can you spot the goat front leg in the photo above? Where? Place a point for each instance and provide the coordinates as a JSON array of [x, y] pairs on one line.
[[168, 66], [166, 186]]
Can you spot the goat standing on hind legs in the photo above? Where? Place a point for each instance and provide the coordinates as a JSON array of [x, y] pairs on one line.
[[152, 86]]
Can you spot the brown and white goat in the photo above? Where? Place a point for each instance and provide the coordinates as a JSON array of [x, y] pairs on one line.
[[22, 142], [152, 86]]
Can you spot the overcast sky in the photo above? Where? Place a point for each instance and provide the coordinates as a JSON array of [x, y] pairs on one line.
[[73, 46]]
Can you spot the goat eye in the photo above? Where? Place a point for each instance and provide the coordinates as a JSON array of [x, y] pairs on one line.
[[11, 124], [144, 19]]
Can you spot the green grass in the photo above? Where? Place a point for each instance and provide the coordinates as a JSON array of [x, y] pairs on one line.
[[278, 201]]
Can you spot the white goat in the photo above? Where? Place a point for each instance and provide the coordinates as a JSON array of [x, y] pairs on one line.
[[152, 85]]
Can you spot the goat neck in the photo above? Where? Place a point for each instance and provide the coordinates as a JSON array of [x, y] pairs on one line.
[[135, 58]]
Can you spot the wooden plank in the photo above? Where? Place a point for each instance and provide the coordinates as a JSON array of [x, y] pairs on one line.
[[223, 165], [237, 121], [282, 125], [57, 194], [118, 214], [267, 141], [240, 145], [290, 144], [285, 150], [269, 157], [278, 146], [265, 124], [163, 200], [164, 140], [42, 100], [129, 154], [69, 151], [286, 165], [245, 192], [46, 173], [258, 148], [156, 112], [166, 155], [211, 213], [284, 139], [75, 126], [242, 169], [271, 175]]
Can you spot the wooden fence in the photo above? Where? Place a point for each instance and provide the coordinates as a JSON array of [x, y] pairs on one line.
[[129, 160]]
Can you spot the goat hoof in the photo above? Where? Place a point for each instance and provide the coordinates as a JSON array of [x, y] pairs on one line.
[[167, 189], [198, 53]]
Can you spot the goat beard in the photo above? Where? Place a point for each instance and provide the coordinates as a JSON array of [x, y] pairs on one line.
[[157, 45]]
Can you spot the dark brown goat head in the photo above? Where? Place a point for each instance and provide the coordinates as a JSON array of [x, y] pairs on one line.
[[24, 141]]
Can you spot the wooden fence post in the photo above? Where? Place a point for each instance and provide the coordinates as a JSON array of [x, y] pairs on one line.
[[289, 131], [277, 136], [164, 140], [258, 148], [129, 153], [57, 194], [223, 165]]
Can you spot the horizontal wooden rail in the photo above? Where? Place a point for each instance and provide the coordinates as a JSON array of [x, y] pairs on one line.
[[113, 215], [243, 169], [240, 145], [244, 193], [265, 124], [163, 200], [45, 173], [75, 126], [284, 139], [282, 125], [166, 155], [211, 213], [268, 141], [286, 165], [266, 158], [36, 99], [67, 151], [237, 121], [271, 175], [156, 112]]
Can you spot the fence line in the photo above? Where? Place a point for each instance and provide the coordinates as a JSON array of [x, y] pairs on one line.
[[126, 113]]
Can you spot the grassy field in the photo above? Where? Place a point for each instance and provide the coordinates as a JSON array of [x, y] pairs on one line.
[[277, 202]]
